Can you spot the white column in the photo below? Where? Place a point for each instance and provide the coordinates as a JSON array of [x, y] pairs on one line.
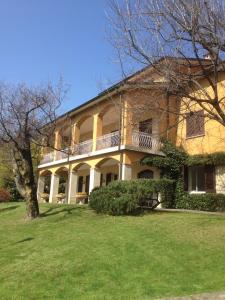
[[72, 187], [95, 178], [54, 187], [159, 198], [41, 186], [126, 172]]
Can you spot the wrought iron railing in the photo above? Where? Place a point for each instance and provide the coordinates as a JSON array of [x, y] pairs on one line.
[[141, 140], [108, 140], [49, 157], [61, 154], [82, 148], [144, 140]]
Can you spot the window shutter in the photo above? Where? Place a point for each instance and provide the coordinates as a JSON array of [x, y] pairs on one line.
[[195, 124], [185, 176], [210, 179]]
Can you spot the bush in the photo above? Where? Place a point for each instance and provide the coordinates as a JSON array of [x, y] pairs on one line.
[[4, 195], [205, 202], [124, 197]]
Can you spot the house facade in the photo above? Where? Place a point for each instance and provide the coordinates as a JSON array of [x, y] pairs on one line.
[[105, 138]]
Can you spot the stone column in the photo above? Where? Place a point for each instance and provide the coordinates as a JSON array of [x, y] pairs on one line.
[[97, 130], [41, 186], [75, 138], [57, 143], [54, 187], [127, 124], [95, 178], [72, 187], [126, 172]]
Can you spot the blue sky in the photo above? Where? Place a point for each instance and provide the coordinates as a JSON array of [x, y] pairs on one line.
[[43, 39]]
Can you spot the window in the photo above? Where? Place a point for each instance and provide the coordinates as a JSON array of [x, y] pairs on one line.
[[200, 178], [148, 174], [197, 178], [195, 124]]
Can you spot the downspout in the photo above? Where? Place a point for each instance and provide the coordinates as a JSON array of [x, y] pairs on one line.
[[121, 116], [68, 159], [167, 116]]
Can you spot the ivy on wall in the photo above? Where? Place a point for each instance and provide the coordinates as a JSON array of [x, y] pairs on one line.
[[213, 159], [172, 163]]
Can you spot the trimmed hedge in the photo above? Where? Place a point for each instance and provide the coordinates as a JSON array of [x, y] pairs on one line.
[[205, 202], [124, 197]]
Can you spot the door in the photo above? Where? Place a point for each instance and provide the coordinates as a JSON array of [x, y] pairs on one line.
[[145, 129], [80, 184], [87, 184], [146, 126]]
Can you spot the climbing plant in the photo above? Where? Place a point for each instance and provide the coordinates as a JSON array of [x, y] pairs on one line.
[[170, 165]]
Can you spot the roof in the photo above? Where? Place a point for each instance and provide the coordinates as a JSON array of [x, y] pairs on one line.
[[119, 84]]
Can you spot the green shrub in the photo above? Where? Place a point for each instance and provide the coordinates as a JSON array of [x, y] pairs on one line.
[[205, 202], [125, 197]]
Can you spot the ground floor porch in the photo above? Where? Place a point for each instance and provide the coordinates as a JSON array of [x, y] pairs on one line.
[[73, 182]]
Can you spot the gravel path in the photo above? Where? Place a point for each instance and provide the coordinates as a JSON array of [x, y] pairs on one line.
[[191, 211], [207, 296]]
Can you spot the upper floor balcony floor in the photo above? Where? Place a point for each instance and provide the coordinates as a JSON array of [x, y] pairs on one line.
[[103, 131]]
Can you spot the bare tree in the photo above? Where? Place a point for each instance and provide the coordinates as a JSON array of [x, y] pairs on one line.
[[183, 41], [24, 113]]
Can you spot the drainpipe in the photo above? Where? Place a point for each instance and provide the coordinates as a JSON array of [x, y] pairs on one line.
[[120, 138], [68, 159]]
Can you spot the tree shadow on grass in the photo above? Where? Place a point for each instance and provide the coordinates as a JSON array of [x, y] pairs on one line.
[[25, 240], [57, 209], [2, 210]]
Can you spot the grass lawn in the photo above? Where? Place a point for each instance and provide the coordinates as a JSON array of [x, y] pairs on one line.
[[72, 253]]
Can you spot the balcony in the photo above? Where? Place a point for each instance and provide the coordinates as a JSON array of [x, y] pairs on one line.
[[145, 141], [108, 140], [140, 141], [82, 148]]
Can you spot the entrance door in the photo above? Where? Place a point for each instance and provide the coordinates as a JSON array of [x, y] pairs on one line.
[[87, 184], [80, 184]]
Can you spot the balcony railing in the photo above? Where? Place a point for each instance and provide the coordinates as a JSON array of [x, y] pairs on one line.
[[49, 157], [62, 153], [108, 140], [144, 140], [82, 148], [140, 140]]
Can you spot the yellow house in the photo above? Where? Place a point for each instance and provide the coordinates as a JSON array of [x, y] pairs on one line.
[[105, 138]]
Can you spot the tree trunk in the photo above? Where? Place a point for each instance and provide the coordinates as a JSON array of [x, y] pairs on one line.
[[25, 181]]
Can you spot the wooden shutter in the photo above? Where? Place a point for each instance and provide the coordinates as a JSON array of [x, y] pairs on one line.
[[195, 124], [185, 176], [210, 179]]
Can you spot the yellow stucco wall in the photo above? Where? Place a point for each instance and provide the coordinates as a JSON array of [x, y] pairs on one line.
[[214, 137]]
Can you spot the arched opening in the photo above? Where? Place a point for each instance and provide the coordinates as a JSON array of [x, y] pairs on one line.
[[82, 182], [109, 169], [85, 126], [62, 190], [65, 135], [147, 174], [44, 185], [110, 127]]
